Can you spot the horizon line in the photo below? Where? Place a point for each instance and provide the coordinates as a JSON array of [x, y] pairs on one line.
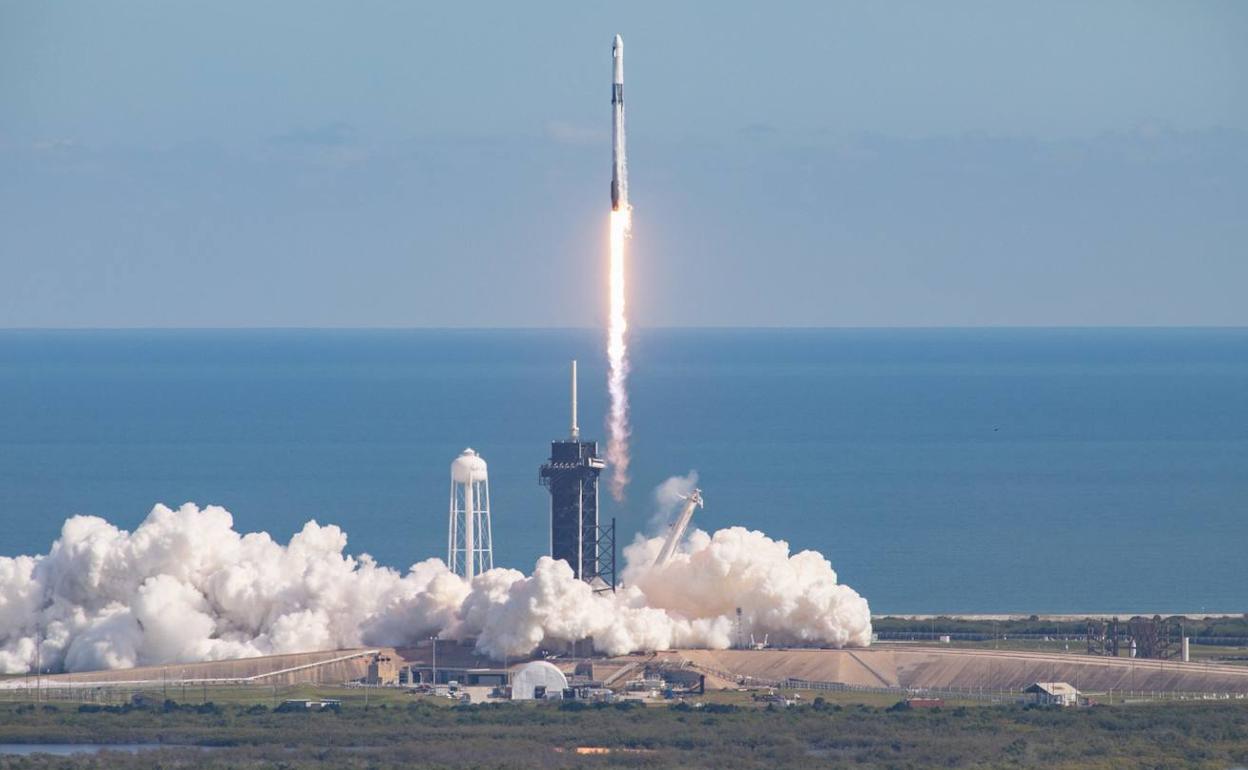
[[725, 327]]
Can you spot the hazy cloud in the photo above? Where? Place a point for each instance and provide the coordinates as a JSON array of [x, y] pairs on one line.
[[54, 145], [757, 131], [336, 134], [570, 133]]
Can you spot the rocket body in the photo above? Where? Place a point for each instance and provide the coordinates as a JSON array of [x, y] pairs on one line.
[[619, 162]]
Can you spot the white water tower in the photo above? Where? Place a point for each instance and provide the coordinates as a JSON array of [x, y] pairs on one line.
[[470, 548]]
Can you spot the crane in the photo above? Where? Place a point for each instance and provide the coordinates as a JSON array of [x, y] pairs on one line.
[[677, 529]]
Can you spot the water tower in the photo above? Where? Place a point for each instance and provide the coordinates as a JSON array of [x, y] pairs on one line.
[[470, 548]]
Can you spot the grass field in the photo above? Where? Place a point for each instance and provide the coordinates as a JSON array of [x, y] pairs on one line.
[[728, 731], [356, 697], [239, 695]]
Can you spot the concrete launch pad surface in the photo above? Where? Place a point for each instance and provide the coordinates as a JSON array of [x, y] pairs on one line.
[[329, 667], [911, 666], [882, 665]]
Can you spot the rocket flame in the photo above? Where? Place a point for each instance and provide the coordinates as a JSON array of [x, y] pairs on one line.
[[617, 355]]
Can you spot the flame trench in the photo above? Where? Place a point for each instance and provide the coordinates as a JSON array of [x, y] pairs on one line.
[[617, 356]]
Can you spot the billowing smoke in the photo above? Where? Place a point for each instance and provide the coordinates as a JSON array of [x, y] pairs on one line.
[[669, 495], [185, 586]]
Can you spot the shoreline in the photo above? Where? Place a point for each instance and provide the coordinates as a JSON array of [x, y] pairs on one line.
[[1053, 616]]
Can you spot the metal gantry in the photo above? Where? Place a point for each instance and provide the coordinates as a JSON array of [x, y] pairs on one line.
[[576, 536]]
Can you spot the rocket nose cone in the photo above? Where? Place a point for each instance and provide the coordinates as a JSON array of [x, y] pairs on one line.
[[617, 45]]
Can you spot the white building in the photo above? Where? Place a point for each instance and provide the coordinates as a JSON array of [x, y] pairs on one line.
[[1053, 694], [538, 680]]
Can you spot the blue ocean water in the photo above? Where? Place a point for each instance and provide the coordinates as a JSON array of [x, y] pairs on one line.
[[939, 470]]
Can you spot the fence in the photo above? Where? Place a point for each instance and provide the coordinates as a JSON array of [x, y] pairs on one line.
[[983, 636], [1003, 696]]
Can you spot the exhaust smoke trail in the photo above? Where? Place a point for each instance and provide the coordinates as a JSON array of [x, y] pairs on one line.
[[617, 321], [617, 356]]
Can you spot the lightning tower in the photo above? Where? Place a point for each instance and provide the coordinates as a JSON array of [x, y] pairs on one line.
[[576, 536]]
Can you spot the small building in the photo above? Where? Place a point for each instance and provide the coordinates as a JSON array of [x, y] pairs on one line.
[[537, 681], [310, 705], [594, 692], [383, 670], [444, 661], [923, 703], [1053, 694]]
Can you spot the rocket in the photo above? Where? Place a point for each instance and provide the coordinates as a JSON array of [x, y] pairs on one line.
[[619, 168]]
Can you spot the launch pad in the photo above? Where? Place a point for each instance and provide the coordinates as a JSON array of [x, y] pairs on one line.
[[885, 668]]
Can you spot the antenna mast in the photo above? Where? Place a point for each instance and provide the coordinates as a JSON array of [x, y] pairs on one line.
[[576, 431]]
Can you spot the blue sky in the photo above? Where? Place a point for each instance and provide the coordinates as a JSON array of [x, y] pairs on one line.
[[800, 163]]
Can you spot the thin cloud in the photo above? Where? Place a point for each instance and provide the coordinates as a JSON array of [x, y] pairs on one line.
[[337, 134], [570, 133]]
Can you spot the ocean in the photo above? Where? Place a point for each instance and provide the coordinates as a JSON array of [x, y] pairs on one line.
[[943, 470]]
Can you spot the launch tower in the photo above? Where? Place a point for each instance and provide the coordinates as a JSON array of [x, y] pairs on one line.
[[571, 476]]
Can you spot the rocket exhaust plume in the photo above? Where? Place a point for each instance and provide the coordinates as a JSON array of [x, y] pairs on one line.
[[617, 320]]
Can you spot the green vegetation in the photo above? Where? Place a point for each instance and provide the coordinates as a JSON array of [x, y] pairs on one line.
[[247, 695], [731, 733]]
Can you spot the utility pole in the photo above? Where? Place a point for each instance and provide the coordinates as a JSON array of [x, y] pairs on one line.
[[38, 661]]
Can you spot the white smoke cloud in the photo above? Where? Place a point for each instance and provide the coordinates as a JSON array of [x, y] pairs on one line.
[[668, 496], [185, 586]]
